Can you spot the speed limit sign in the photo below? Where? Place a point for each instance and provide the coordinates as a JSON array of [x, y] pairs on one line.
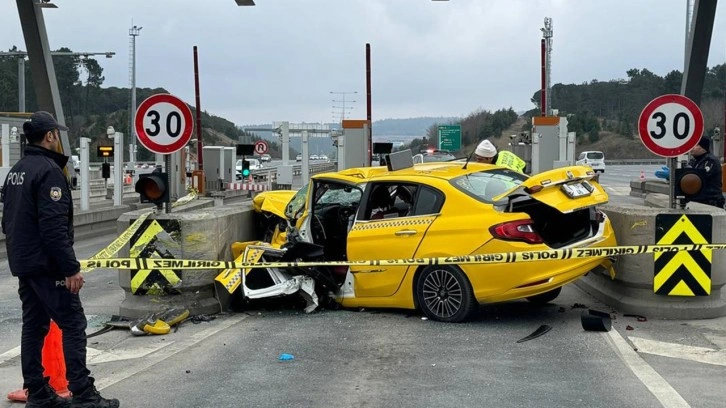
[[163, 123], [260, 147], [670, 125]]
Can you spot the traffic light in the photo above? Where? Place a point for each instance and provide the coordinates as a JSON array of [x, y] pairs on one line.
[[153, 187], [689, 182], [245, 169], [106, 170]]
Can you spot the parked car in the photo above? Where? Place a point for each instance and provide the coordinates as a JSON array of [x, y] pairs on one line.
[[265, 158], [76, 163], [428, 210], [298, 157], [427, 156], [594, 159], [313, 157]]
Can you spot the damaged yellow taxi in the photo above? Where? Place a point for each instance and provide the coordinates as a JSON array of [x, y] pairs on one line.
[[424, 210]]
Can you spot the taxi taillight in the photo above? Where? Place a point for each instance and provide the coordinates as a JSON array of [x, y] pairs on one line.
[[520, 230]]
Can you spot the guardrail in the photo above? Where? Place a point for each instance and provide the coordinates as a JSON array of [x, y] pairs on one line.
[[635, 161], [270, 173]]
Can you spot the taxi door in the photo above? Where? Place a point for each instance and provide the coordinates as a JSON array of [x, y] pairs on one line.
[[397, 235]]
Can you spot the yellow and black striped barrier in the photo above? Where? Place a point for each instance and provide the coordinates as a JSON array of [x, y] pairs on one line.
[[501, 257], [123, 239]]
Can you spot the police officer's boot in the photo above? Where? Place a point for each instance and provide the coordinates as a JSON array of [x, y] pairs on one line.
[[91, 398], [46, 397]]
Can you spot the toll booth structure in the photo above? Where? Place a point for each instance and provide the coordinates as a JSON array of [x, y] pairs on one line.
[[219, 166], [548, 146], [9, 145], [352, 143]]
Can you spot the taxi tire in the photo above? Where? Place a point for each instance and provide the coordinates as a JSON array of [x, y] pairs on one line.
[[433, 274], [544, 298]]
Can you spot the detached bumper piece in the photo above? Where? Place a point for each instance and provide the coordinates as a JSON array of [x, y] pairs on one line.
[[269, 282]]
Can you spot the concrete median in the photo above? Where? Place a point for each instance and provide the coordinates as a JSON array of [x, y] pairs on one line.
[[632, 290], [204, 233]]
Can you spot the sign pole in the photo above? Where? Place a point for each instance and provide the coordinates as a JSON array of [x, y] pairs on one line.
[[672, 163], [167, 163]]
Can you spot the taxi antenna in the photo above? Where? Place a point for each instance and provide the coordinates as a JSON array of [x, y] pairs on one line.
[[469, 158]]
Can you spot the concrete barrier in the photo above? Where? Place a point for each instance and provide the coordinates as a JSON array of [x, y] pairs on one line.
[[201, 231], [639, 188], [632, 289]]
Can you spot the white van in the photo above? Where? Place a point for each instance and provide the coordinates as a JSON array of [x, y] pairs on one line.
[[594, 159]]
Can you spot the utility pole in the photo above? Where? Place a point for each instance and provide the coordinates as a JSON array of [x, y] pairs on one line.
[[342, 102], [21, 68], [133, 33]]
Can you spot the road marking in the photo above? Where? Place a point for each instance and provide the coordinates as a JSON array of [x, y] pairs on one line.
[[10, 354], [680, 351], [95, 356], [169, 351], [658, 386]]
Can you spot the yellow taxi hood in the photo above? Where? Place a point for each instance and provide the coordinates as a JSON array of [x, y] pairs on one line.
[[273, 202], [567, 188]]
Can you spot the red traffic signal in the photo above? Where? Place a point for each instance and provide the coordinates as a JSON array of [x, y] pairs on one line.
[[153, 187]]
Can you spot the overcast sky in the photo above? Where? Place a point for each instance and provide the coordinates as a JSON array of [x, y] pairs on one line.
[[280, 59]]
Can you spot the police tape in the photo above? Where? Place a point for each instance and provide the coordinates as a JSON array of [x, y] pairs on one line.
[[118, 243], [493, 258]]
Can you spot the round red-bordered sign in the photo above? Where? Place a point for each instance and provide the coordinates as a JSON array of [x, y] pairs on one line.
[[260, 147], [164, 123], [670, 125]]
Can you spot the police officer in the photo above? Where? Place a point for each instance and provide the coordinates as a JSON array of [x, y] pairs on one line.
[[487, 153], [702, 158], [38, 224]]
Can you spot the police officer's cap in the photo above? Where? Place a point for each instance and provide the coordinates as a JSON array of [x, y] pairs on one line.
[[41, 122], [705, 143]]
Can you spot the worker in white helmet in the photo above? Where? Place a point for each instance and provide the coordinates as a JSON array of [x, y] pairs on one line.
[[487, 153]]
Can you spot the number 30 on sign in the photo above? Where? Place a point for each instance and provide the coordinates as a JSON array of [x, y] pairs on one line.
[[163, 123], [670, 125]]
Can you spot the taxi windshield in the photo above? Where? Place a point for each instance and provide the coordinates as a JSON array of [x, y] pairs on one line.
[[486, 185]]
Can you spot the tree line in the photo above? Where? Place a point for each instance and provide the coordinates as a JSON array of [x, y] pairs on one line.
[[89, 108], [615, 105]]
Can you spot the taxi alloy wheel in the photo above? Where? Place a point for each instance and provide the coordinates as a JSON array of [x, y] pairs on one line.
[[444, 294]]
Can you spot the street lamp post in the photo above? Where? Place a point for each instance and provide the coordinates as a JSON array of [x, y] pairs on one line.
[[133, 33]]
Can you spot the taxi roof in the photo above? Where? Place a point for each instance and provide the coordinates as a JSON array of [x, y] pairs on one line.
[[442, 170]]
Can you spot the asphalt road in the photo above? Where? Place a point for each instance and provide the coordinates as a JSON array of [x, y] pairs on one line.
[[384, 358]]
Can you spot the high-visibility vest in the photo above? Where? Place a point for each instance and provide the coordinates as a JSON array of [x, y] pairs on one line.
[[508, 159]]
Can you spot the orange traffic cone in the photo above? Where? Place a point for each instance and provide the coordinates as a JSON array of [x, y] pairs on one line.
[[642, 175], [54, 365]]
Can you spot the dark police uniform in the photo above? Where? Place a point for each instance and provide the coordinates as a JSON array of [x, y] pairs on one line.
[[38, 224], [711, 193]]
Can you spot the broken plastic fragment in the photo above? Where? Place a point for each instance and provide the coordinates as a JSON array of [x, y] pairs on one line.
[[540, 331], [286, 357], [595, 320]]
